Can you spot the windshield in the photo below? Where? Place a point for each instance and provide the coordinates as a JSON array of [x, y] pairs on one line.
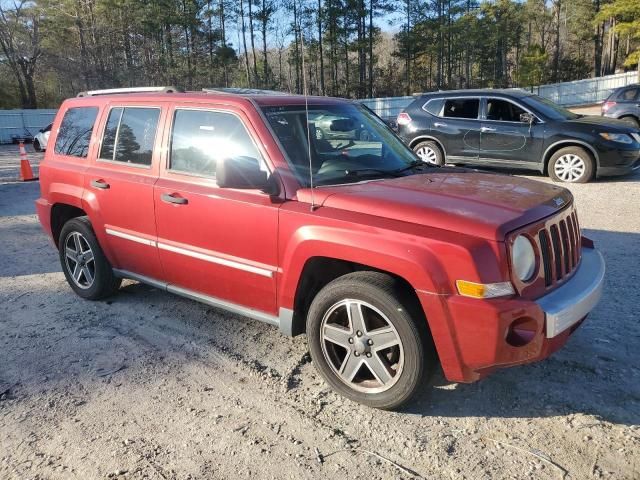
[[548, 108], [347, 143]]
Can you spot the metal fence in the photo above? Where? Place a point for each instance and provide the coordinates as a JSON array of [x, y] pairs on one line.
[[23, 124], [576, 93]]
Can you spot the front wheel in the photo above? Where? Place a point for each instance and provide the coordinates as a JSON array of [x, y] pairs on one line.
[[571, 165], [368, 340], [84, 264], [36, 146]]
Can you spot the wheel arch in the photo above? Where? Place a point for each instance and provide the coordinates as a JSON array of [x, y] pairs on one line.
[[61, 213], [554, 147], [422, 138], [319, 271]]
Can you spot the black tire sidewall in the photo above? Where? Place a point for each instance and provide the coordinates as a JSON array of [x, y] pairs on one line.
[[36, 146], [104, 283], [413, 340], [578, 151], [433, 146]]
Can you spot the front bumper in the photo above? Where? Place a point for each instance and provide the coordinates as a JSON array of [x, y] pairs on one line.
[[475, 337], [571, 302]]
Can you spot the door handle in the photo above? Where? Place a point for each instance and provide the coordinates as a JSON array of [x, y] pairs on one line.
[[487, 129], [170, 198], [439, 124], [99, 184]]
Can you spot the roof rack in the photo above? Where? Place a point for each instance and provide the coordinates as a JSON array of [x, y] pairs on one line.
[[112, 91], [243, 91]]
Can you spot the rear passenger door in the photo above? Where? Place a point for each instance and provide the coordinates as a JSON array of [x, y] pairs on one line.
[[119, 187], [458, 128], [215, 242]]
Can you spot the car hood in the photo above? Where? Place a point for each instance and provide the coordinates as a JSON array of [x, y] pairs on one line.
[[602, 124], [475, 203]]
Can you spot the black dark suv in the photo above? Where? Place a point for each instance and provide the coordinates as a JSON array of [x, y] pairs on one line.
[[516, 129], [624, 103]]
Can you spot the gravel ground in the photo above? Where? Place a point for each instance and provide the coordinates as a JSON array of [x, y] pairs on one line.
[[150, 385]]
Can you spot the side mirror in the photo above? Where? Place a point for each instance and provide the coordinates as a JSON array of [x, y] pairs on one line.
[[527, 118], [241, 172]]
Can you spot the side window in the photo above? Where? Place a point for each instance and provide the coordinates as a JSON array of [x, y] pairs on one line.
[[434, 107], [630, 94], [200, 138], [129, 135], [503, 110], [75, 131], [461, 108]]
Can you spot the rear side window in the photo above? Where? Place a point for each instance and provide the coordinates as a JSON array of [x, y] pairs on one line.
[[434, 107], [75, 131], [129, 135], [461, 108], [629, 95], [200, 138]]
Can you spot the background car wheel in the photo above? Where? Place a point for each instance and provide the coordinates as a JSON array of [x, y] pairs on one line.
[[571, 165], [369, 340], [36, 146], [84, 265], [633, 121], [429, 152]]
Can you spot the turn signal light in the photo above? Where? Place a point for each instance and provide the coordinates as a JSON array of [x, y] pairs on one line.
[[484, 290]]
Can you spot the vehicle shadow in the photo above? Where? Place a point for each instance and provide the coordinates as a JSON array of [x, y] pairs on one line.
[[633, 177], [597, 372]]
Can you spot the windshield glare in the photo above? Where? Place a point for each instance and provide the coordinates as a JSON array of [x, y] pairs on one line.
[[548, 108], [347, 143]]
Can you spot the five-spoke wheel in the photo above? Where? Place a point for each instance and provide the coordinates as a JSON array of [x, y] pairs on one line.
[[85, 266], [369, 339]]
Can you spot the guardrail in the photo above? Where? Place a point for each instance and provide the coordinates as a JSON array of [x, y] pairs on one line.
[[23, 124]]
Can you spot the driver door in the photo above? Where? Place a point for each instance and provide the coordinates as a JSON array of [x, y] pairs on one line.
[[212, 241]]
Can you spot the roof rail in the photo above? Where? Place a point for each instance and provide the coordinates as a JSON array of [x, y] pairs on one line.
[[112, 91], [243, 91]]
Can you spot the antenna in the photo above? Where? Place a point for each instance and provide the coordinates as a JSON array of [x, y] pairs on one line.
[[306, 111]]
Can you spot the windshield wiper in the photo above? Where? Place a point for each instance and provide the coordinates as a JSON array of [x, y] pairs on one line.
[[414, 164]]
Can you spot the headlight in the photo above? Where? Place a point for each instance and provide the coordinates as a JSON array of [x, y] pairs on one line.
[[523, 258], [617, 137]]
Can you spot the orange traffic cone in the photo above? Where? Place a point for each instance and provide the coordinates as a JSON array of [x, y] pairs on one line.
[[26, 174]]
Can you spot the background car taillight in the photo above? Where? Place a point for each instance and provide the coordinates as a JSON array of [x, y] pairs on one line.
[[606, 106], [403, 119]]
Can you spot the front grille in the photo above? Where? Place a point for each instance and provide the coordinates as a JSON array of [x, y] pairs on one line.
[[559, 242]]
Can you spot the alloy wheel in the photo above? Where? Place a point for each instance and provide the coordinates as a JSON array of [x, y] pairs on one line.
[[427, 155], [361, 346], [569, 167], [79, 260]]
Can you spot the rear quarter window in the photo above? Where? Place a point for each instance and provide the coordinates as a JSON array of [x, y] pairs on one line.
[[434, 106], [75, 131]]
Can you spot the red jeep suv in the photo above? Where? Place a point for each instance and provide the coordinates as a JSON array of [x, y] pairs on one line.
[[308, 213]]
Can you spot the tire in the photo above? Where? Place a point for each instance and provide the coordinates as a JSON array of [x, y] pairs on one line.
[[632, 121], [36, 146], [429, 152], [578, 164], [103, 283], [386, 310]]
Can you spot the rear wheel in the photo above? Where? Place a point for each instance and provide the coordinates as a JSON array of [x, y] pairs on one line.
[[368, 340], [571, 165], [84, 264], [632, 121], [36, 146], [429, 152]]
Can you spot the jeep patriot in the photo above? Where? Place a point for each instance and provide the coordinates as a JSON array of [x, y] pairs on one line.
[[389, 265]]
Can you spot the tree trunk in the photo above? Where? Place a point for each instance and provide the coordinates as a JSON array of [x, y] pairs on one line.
[[321, 53]]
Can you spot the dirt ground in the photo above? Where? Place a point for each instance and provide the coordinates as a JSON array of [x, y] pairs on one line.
[[150, 385]]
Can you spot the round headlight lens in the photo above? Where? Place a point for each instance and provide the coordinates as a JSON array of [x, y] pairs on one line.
[[523, 257]]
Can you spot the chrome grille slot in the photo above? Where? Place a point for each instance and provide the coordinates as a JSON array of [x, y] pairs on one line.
[[560, 246]]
